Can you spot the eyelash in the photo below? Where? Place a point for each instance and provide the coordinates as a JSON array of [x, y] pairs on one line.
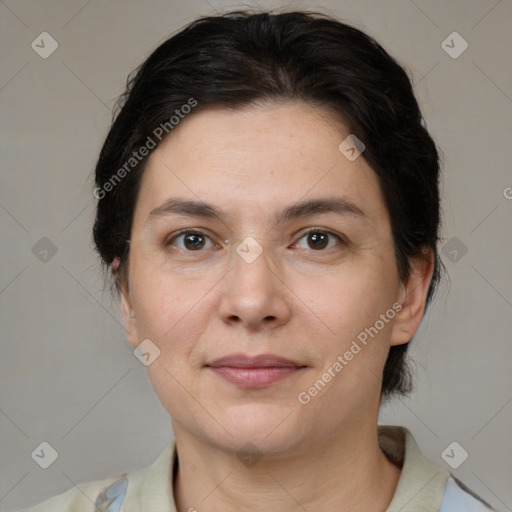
[[174, 237], [324, 231]]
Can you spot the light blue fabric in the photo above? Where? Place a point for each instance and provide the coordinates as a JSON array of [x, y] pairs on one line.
[[457, 500], [111, 498]]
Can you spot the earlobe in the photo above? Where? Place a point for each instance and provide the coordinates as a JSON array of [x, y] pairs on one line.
[[413, 298], [129, 319]]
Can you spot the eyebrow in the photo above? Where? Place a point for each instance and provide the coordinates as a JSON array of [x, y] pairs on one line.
[[297, 210]]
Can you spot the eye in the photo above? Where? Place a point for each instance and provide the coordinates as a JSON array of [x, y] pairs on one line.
[[192, 240], [318, 239]]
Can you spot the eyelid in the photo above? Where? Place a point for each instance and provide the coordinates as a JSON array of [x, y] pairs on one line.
[[171, 238], [340, 237]]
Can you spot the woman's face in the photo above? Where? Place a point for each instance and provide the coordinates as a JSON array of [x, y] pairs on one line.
[[249, 280]]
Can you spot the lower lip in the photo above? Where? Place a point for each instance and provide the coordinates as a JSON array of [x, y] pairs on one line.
[[255, 377]]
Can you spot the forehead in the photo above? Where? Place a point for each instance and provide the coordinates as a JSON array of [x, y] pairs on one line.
[[257, 158]]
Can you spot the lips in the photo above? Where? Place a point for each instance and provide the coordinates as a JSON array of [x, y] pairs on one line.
[[254, 371], [260, 361]]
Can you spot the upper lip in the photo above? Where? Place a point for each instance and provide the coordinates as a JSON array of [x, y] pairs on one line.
[[259, 361]]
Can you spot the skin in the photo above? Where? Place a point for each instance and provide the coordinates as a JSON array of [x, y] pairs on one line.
[[295, 300]]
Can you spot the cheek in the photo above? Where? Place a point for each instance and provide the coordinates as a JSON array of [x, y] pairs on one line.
[[164, 300], [350, 299], [171, 316]]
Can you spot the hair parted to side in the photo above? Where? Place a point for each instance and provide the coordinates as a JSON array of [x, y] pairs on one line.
[[244, 58]]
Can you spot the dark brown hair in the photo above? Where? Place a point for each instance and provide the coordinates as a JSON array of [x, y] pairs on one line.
[[242, 58]]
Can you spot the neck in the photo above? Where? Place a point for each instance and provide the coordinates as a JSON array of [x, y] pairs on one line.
[[343, 473]]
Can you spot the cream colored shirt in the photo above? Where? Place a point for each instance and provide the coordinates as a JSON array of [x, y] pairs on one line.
[[423, 486]]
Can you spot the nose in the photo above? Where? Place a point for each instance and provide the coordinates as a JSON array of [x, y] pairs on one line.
[[254, 294]]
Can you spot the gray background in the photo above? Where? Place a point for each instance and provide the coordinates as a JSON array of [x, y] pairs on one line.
[[68, 375]]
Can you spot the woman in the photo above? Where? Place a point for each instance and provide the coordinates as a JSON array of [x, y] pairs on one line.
[[268, 206]]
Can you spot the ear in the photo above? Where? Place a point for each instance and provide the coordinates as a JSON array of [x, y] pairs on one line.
[[413, 298], [129, 320]]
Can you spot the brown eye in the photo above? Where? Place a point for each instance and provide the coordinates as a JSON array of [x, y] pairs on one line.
[[190, 241], [193, 241], [318, 239]]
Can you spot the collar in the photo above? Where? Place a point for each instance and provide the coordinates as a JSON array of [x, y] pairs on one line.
[[420, 488], [422, 483]]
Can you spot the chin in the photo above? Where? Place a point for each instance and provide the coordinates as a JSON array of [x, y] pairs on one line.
[[269, 429]]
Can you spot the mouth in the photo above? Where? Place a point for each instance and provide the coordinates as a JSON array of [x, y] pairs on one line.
[[254, 372]]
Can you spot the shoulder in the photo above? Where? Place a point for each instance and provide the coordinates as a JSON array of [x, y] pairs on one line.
[[135, 490], [458, 498], [106, 494], [424, 486]]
